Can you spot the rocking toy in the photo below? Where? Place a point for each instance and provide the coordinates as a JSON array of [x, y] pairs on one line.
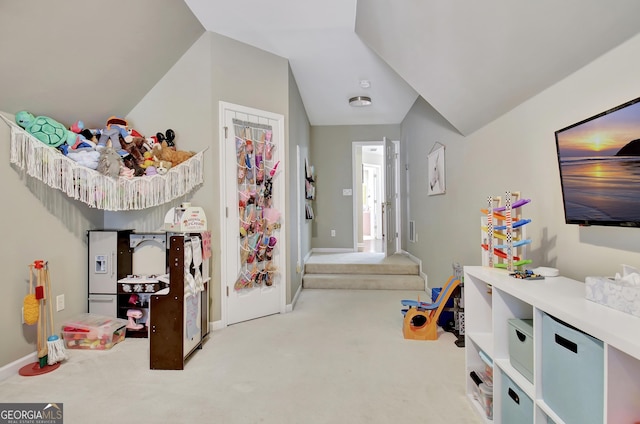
[[421, 318]]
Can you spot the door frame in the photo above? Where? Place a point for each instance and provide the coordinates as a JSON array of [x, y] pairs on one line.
[[397, 205], [223, 107], [355, 146]]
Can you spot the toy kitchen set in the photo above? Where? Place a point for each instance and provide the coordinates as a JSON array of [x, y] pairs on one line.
[[127, 267]]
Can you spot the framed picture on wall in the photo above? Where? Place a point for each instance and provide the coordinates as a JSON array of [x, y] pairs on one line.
[[435, 161]]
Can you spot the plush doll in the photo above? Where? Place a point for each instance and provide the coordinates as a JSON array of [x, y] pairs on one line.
[[115, 130], [119, 124], [163, 152], [110, 161], [48, 130]]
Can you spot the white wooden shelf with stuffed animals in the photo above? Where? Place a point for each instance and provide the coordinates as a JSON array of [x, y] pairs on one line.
[[143, 174]]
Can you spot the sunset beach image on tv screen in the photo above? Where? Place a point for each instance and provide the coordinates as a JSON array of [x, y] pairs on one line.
[[599, 161]]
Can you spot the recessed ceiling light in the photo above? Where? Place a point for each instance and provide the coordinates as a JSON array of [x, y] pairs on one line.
[[359, 101]]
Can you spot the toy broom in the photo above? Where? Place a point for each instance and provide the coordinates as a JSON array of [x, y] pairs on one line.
[[42, 345], [55, 345]]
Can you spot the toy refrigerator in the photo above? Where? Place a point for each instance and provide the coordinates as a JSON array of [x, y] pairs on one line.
[[109, 260]]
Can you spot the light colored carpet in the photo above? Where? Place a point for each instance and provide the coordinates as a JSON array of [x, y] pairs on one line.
[[339, 357]]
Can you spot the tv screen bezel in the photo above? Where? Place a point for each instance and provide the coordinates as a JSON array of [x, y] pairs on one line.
[[595, 222]]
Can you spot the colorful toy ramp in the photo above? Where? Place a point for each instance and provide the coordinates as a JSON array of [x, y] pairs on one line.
[[421, 321]]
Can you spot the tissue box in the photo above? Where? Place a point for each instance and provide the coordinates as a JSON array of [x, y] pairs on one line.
[[616, 294]]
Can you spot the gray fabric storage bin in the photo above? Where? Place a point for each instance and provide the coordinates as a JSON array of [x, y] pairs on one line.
[[517, 407], [521, 346], [572, 373]]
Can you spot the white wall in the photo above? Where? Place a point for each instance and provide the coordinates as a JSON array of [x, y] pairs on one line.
[[38, 223], [331, 148], [517, 152]]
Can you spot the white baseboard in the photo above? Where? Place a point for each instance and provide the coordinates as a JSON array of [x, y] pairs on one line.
[[306, 258], [215, 325], [12, 368], [295, 299], [422, 274]]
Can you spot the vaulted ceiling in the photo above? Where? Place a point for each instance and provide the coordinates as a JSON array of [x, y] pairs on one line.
[[472, 61]]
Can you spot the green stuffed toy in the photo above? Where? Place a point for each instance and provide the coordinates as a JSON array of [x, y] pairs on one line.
[[48, 130]]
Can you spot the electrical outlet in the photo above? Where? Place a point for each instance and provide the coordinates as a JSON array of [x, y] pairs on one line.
[[60, 302], [333, 233]]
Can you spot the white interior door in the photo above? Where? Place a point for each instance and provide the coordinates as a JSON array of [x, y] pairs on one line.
[[389, 209], [253, 215]]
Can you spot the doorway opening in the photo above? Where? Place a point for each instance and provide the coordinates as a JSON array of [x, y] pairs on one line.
[[369, 195]]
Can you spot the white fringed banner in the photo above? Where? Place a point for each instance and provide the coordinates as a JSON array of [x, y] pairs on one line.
[[96, 190]]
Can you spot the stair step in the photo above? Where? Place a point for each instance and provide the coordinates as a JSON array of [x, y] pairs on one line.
[[363, 281], [363, 268]]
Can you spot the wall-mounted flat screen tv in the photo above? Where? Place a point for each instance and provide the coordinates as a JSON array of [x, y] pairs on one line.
[[599, 160]]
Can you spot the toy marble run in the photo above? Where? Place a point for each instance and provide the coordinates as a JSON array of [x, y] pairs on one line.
[[504, 223]]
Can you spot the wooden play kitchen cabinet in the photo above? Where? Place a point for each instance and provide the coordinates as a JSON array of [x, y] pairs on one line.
[[557, 357], [168, 302], [113, 289]]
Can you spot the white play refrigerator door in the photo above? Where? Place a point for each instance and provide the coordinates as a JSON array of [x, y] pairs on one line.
[[103, 269]]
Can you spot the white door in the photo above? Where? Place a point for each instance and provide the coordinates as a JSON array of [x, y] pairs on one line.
[[389, 209], [253, 214]]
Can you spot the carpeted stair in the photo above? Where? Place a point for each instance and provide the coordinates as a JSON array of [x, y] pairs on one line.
[[362, 271]]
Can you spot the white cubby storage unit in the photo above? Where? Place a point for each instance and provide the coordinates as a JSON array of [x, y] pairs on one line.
[[492, 297]]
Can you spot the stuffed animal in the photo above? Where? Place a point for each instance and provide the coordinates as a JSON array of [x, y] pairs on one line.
[[135, 147], [162, 167], [130, 163], [109, 162], [148, 160], [147, 142], [163, 152], [48, 130], [168, 136]]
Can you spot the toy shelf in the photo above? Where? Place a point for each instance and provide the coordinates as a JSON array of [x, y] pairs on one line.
[[493, 297]]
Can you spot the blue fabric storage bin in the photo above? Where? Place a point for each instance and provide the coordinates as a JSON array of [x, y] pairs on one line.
[[521, 346], [572, 372], [446, 318], [517, 407]]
